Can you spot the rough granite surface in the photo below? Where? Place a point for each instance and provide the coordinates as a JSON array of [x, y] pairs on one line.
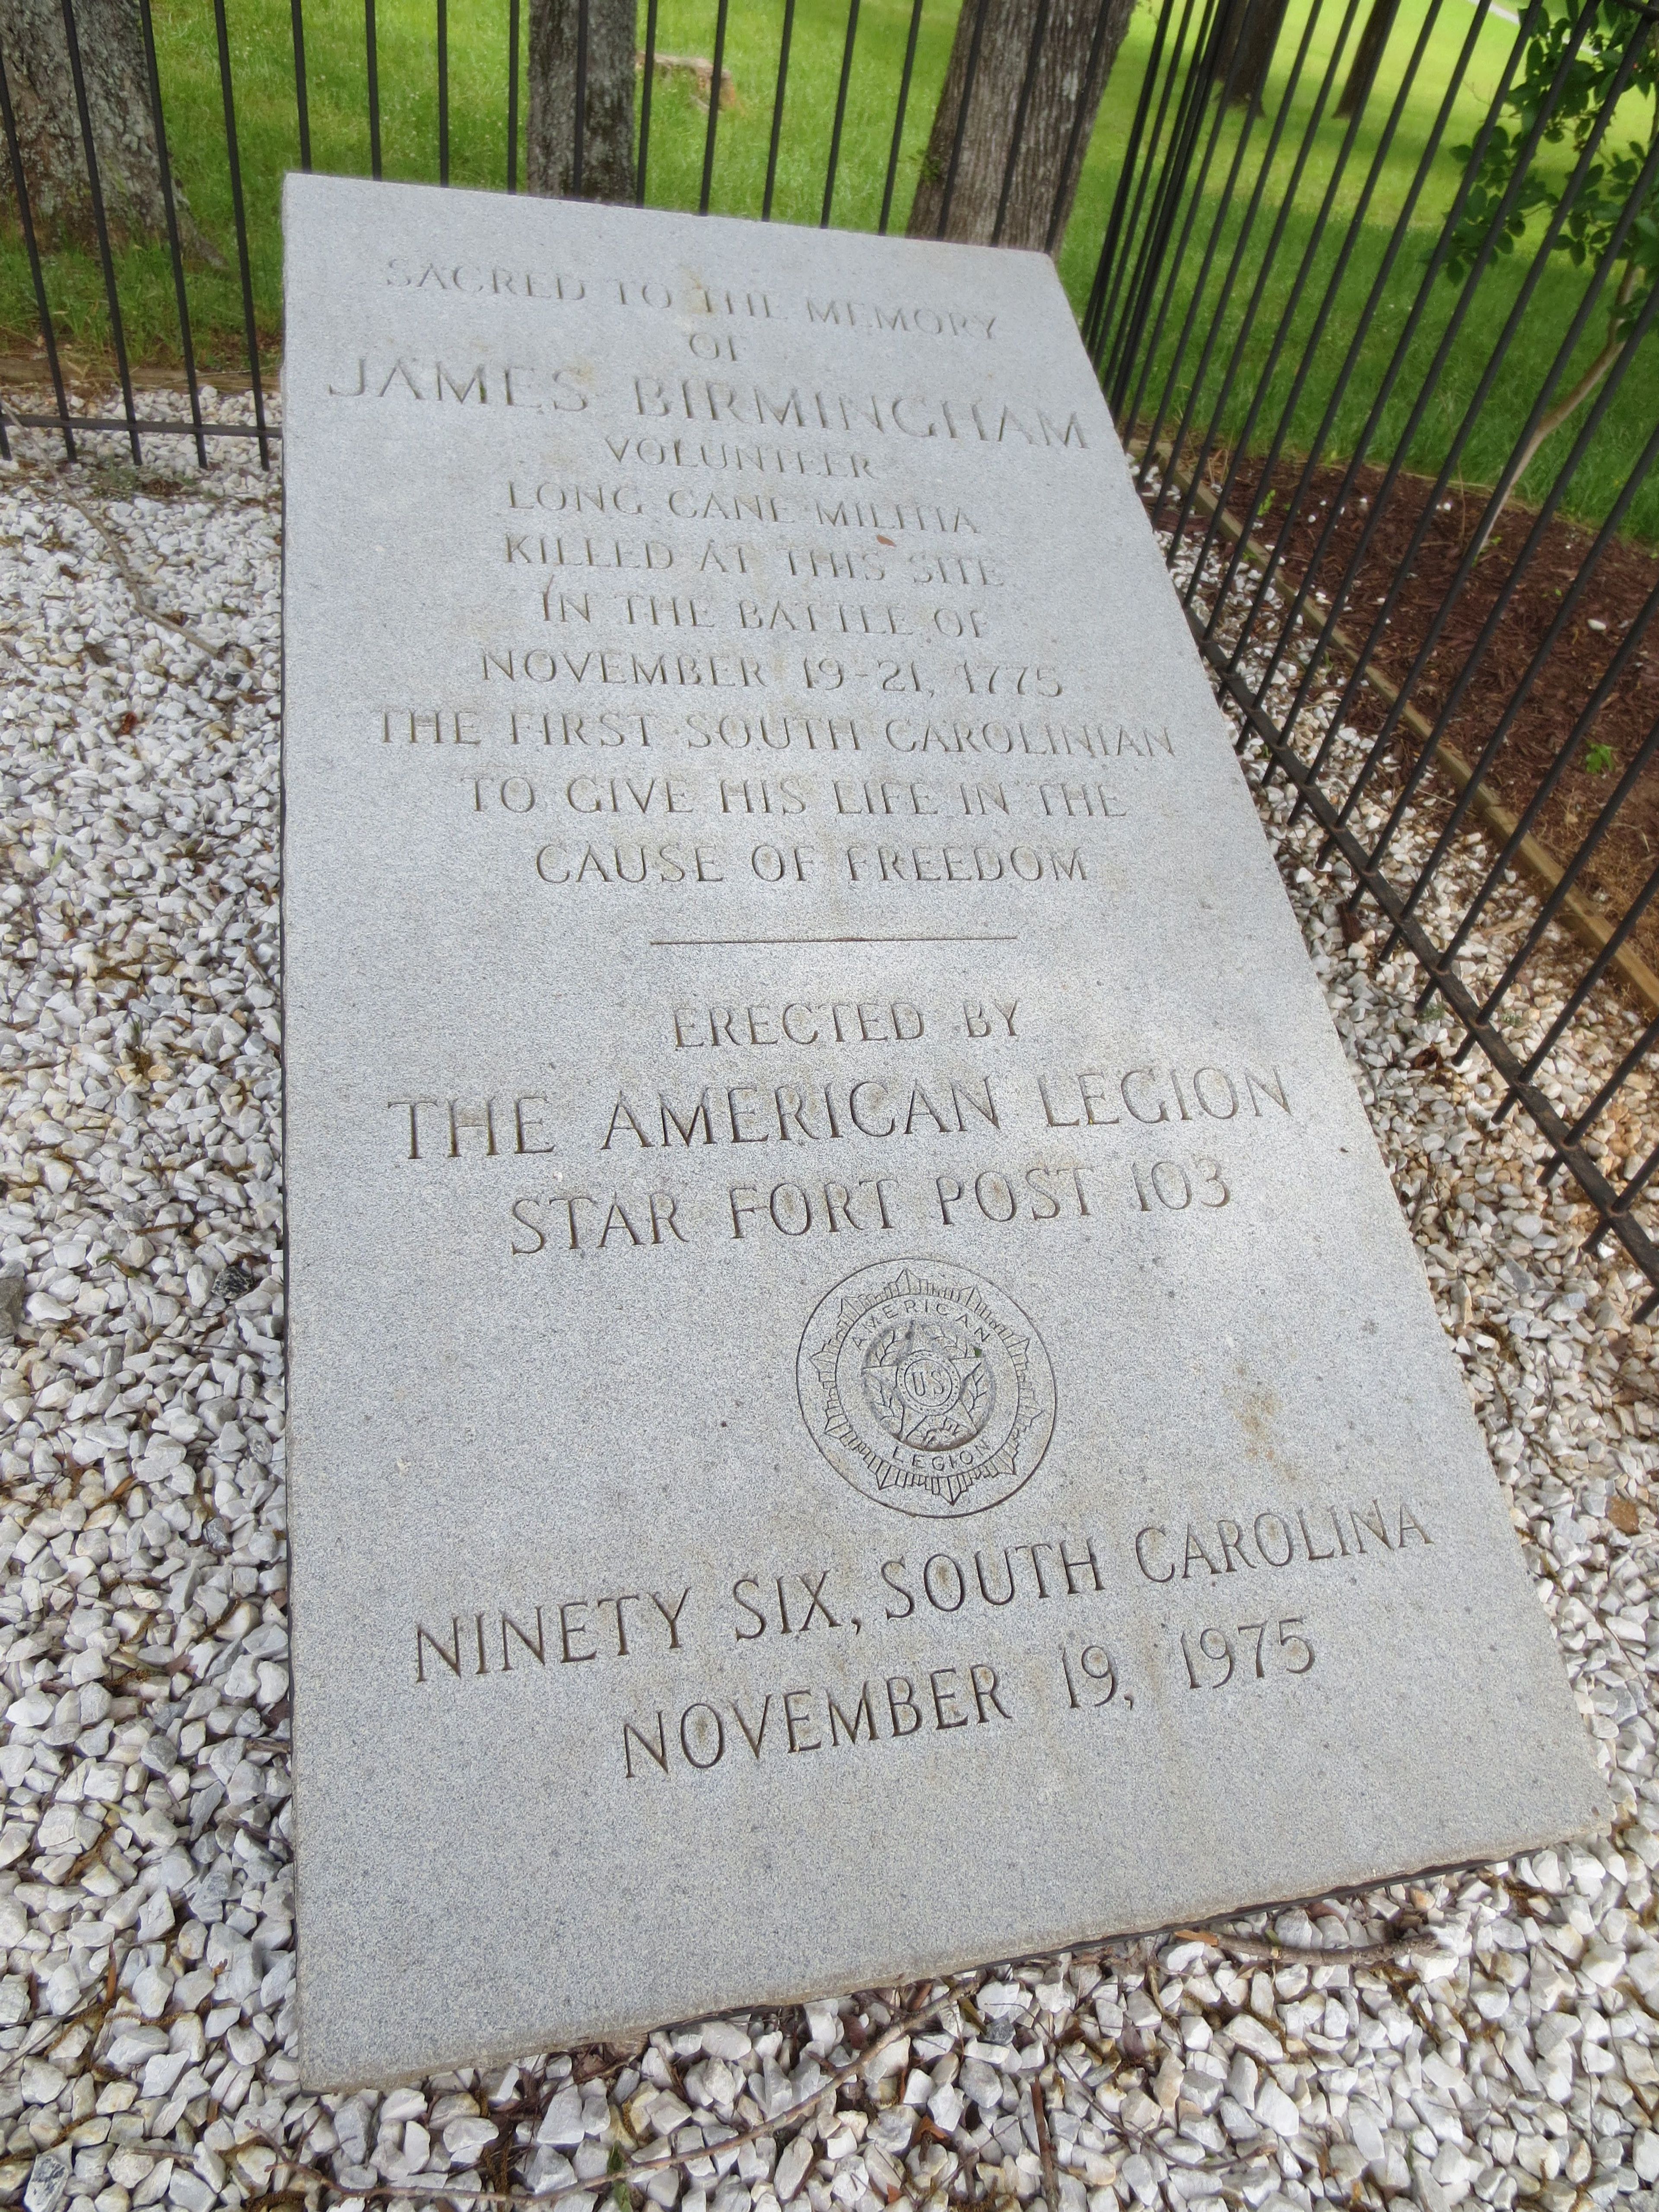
[[794, 1039]]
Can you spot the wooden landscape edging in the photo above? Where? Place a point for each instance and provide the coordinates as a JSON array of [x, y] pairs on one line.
[[1591, 928]]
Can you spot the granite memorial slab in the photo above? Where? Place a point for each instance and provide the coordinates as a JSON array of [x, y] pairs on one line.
[[860, 1399]]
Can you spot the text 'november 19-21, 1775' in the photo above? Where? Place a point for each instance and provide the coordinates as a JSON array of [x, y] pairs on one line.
[[860, 1401]]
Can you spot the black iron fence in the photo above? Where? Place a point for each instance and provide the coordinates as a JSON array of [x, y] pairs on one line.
[[1451, 680], [1367, 284]]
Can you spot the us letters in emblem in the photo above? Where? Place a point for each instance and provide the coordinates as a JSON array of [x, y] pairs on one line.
[[926, 1387]]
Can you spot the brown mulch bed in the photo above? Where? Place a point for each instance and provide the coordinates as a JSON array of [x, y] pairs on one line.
[[1610, 604]]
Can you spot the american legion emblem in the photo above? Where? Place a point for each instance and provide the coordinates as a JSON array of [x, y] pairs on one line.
[[926, 1387]]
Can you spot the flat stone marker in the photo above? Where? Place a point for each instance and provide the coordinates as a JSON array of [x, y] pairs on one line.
[[860, 1402]]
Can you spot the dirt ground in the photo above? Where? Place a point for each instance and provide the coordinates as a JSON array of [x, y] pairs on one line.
[[1609, 608]]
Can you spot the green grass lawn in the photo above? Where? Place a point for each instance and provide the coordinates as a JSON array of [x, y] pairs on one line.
[[1607, 464], [263, 62], [263, 70]]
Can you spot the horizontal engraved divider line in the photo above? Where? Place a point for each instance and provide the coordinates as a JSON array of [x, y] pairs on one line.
[[695, 943]]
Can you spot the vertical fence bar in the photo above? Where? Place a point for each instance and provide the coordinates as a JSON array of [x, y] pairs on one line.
[[1632, 1060], [1168, 182], [841, 111], [1400, 355], [1603, 960], [117, 334], [1262, 379], [1247, 321], [1598, 967], [301, 96], [1039, 31], [1489, 513], [715, 83], [1179, 258], [1247, 228], [1170, 185], [1110, 338], [443, 92], [1353, 231], [1564, 614], [1051, 236], [579, 121], [372, 57], [1564, 754], [1182, 221], [1498, 1049], [1477, 652], [968, 76], [645, 98], [32, 249], [1552, 229], [777, 109], [898, 116], [1427, 753], [148, 29], [1125, 222], [249, 328], [1633, 1189], [1397, 241], [512, 95]]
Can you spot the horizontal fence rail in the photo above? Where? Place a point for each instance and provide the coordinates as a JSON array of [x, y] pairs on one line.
[[1335, 263]]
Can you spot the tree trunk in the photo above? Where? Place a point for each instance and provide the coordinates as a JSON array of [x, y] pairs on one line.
[[116, 79], [1249, 34], [1367, 54], [1569, 405], [1079, 41], [556, 33]]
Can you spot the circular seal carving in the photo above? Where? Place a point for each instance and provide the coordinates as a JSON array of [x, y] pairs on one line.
[[926, 1387]]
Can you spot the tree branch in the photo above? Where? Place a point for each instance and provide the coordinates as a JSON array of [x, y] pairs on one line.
[[642, 2170]]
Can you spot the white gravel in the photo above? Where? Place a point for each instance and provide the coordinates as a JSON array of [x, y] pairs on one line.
[[145, 1896]]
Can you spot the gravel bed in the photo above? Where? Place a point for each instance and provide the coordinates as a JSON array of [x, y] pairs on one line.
[[1486, 2038]]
